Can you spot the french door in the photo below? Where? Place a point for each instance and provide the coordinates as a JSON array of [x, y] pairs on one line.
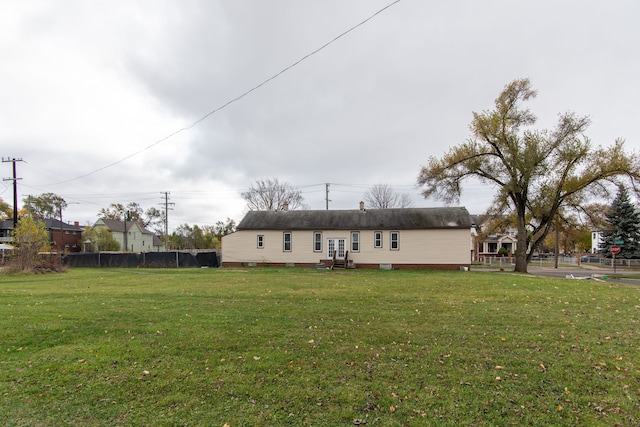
[[337, 246]]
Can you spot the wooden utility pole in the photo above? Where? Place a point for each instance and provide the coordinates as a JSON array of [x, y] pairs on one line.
[[15, 188], [326, 196]]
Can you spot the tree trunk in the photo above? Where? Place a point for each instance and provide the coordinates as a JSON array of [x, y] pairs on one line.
[[521, 255], [521, 249]]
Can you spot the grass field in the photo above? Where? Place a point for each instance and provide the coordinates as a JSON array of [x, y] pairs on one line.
[[257, 347]]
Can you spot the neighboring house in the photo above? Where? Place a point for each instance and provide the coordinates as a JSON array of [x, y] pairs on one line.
[[131, 236], [435, 238], [6, 231], [62, 236], [596, 240], [488, 242]]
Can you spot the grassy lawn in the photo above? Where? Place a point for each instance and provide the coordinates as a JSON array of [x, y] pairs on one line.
[[104, 347]]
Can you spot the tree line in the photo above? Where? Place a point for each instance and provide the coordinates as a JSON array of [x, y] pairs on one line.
[[51, 206]]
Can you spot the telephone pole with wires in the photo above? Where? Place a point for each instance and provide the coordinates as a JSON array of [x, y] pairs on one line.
[[166, 212], [326, 195], [15, 188]]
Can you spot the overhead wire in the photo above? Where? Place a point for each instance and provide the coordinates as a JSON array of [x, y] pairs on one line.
[[233, 100]]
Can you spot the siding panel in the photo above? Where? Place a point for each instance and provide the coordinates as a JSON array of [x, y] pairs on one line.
[[439, 247]]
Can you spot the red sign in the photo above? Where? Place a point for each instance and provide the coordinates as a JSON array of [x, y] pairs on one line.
[[615, 249]]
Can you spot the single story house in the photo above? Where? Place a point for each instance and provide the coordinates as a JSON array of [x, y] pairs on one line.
[[435, 238], [131, 236]]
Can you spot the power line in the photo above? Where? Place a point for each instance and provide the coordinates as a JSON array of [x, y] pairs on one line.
[[233, 100]]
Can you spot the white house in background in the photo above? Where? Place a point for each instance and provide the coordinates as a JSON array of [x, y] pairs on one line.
[[596, 240], [488, 242], [131, 236], [435, 238]]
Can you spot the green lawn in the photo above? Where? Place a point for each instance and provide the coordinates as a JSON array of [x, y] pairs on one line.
[[298, 347]]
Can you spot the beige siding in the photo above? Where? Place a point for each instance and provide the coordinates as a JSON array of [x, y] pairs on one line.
[[415, 247]]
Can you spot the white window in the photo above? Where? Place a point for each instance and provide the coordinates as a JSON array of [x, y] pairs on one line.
[[317, 241], [355, 241], [260, 241], [377, 239], [286, 241], [394, 239]]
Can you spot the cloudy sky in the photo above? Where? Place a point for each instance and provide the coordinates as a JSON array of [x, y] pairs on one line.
[[113, 102]]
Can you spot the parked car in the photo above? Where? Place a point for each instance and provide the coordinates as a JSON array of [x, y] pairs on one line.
[[590, 258]]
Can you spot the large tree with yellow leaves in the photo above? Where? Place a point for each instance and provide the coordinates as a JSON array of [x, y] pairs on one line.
[[537, 173]]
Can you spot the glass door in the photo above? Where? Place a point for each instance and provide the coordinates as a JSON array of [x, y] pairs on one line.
[[337, 246]]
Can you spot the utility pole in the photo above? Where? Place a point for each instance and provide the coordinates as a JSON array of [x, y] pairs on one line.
[[127, 216], [15, 188], [166, 212], [326, 195], [60, 244], [29, 206]]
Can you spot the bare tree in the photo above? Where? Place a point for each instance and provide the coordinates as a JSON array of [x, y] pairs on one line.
[[272, 195], [382, 196]]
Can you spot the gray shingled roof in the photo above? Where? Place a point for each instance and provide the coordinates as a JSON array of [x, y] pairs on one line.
[[50, 224], [54, 224], [374, 219], [118, 226]]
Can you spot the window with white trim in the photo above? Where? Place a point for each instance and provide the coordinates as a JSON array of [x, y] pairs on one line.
[[260, 242], [317, 241], [377, 239], [286, 241], [355, 241], [394, 240]]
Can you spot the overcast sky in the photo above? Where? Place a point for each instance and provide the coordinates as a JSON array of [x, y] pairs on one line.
[[103, 100]]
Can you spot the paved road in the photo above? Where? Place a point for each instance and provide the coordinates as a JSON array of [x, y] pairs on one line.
[[583, 272]]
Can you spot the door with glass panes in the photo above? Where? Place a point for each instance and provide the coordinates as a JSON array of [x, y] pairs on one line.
[[337, 246]]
